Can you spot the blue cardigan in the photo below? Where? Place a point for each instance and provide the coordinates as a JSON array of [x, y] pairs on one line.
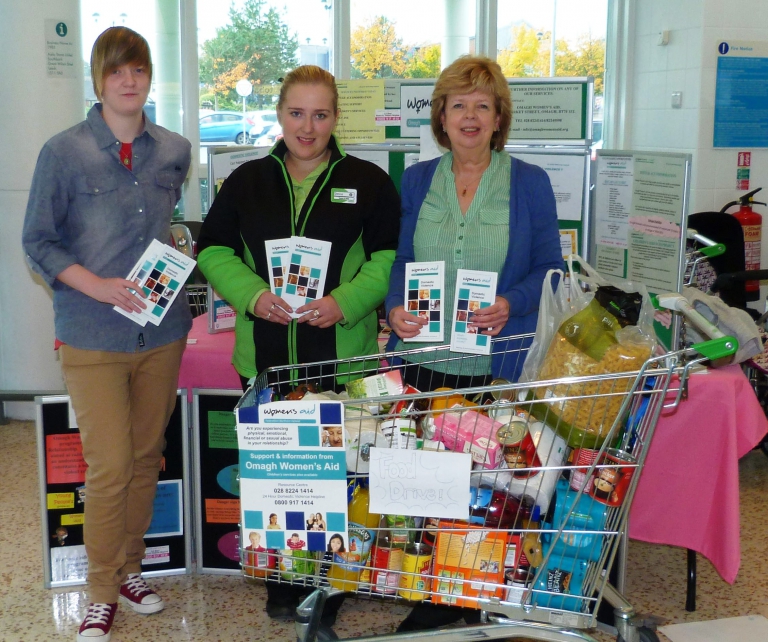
[[534, 248]]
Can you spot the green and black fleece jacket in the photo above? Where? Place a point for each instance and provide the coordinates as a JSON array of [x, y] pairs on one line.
[[256, 204]]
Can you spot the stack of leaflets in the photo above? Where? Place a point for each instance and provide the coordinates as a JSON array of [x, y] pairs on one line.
[[475, 290], [160, 273], [424, 293], [298, 267]]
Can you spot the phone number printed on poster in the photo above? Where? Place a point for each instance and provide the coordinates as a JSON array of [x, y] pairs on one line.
[[293, 476]]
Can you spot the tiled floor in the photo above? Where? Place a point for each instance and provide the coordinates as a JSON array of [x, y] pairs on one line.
[[208, 608]]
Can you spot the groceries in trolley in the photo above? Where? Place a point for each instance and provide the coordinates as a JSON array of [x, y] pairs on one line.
[[536, 518]]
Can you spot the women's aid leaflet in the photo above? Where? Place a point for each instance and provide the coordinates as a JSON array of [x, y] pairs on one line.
[[278, 254], [304, 266], [293, 474], [160, 273], [475, 290], [424, 297]]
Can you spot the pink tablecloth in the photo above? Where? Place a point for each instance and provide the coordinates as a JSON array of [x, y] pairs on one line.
[[207, 361], [688, 494]]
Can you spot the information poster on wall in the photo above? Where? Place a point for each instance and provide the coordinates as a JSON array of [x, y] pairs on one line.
[[549, 111], [415, 108], [62, 56], [655, 223], [293, 474], [566, 174], [741, 108], [358, 101], [639, 211]]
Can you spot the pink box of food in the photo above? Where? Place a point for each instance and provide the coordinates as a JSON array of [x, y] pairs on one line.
[[467, 431]]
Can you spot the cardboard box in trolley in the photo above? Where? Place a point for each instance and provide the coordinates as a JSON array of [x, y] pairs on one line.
[[468, 564]]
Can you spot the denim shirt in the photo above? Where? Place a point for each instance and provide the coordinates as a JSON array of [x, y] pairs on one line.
[[85, 207]]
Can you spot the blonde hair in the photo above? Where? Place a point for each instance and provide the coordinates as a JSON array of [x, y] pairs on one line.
[[309, 75], [115, 47], [465, 75]]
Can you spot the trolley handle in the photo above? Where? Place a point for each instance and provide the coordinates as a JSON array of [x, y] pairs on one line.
[[719, 346], [710, 248]]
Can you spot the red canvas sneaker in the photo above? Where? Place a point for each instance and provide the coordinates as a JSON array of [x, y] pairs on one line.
[[97, 623], [136, 594]]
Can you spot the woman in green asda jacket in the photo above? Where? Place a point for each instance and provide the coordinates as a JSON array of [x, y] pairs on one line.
[[308, 187]]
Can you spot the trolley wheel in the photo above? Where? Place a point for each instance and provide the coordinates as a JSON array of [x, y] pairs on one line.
[[646, 635], [324, 634]]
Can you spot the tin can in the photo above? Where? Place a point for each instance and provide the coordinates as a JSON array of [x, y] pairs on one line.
[[611, 481], [417, 563], [385, 564], [401, 530], [517, 582], [297, 563], [584, 458], [429, 534], [519, 451], [257, 563]]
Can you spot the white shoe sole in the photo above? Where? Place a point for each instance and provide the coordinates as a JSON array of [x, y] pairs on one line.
[[144, 609], [94, 638]]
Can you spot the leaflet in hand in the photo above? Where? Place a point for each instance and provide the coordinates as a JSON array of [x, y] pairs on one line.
[[424, 297], [278, 254], [160, 273], [475, 290], [304, 269]]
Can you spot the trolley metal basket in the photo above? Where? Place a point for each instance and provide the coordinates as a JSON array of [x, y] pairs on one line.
[[541, 535]]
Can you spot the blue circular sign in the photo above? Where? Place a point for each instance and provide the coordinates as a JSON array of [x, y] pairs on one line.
[[723, 48]]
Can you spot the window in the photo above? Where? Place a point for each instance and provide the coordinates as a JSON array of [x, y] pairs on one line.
[[415, 40], [554, 38], [164, 103]]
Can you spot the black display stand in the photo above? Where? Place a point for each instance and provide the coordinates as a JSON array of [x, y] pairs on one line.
[[62, 497]]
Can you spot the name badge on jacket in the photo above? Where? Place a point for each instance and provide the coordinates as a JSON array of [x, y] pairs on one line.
[[339, 195]]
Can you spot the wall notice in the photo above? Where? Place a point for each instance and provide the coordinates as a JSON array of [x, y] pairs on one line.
[[358, 102], [62, 57], [741, 95], [555, 111]]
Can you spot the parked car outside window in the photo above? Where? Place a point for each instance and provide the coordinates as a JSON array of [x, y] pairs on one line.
[[225, 127], [262, 121]]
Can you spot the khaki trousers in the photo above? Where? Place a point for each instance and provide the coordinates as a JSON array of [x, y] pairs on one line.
[[123, 402]]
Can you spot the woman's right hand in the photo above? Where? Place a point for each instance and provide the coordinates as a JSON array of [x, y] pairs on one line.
[[405, 325], [272, 308]]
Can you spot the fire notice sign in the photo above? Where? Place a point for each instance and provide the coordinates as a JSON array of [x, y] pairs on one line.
[[61, 55], [742, 170]]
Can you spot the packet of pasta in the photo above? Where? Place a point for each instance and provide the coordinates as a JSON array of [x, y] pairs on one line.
[[605, 331]]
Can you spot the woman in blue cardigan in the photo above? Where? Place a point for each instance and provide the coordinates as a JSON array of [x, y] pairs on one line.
[[475, 208]]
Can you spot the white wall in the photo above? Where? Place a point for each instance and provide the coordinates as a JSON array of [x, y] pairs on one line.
[[37, 107], [688, 64]]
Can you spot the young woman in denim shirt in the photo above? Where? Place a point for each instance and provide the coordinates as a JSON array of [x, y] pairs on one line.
[[101, 192]]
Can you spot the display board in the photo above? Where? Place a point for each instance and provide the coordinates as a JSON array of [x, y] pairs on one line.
[[217, 481], [639, 220], [544, 109], [63, 496], [569, 173]]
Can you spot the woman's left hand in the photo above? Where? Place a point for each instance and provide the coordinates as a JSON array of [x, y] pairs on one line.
[[493, 318], [322, 313]]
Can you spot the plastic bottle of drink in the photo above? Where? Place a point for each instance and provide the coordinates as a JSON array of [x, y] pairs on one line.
[[344, 574]]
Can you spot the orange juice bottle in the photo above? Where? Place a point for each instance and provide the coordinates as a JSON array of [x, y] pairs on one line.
[[350, 557]]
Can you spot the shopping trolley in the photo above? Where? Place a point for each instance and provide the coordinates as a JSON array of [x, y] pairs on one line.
[[541, 533]]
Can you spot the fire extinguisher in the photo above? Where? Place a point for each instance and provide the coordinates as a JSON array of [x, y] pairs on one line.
[[752, 226]]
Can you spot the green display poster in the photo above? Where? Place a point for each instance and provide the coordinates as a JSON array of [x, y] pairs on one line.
[[222, 429]]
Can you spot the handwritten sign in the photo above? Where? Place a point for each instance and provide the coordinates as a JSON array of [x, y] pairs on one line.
[[420, 483]]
